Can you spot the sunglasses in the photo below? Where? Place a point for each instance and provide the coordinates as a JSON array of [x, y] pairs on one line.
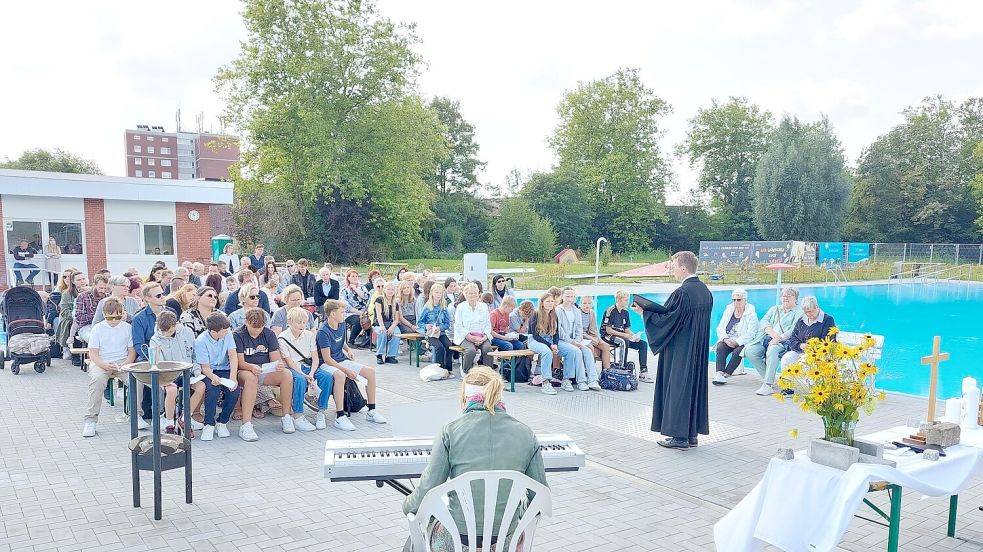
[[210, 295], [158, 296], [252, 297], [114, 317], [736, 299]]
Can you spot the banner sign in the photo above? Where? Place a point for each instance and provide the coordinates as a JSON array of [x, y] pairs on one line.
[[830, 253], [857, 252], [718, 252]]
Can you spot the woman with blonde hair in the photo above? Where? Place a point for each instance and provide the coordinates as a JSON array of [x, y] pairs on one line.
[[472, 328], [231, 258], [544, 328], [356, 300], [186, 297], [386, 325], [271, 287], [52, 259], [406, 309], [484, 437], [435, 322]]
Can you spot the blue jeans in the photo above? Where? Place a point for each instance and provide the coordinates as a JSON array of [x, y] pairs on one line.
[[229, 400], [385, 345], [545, 357], [506, 345], [590, 368], [324, 380], [20, 275], [573, 361], [299, 390]]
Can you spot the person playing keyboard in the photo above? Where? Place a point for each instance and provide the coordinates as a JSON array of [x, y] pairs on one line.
[[484, 438]]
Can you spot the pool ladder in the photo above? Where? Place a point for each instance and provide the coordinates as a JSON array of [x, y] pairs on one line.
[[837, 273]]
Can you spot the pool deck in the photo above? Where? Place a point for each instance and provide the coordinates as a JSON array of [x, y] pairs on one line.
[[59, 491]]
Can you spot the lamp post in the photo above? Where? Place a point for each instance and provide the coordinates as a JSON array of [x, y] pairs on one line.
[[597, 258]]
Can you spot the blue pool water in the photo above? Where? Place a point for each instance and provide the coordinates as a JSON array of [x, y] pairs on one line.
[[907, 315]]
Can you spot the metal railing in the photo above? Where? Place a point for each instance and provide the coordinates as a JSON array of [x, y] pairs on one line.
[[948, 253], [933, 272]]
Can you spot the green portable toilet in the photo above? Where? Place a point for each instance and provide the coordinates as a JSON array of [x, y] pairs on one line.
[[218, 244]]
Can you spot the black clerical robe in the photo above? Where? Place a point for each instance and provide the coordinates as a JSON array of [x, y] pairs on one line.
[[679, 333]]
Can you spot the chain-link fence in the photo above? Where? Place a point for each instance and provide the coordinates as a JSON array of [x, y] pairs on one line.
[[946, 253]]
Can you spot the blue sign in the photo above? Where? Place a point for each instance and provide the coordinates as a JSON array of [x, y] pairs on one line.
[[830, 253], [857, 252]]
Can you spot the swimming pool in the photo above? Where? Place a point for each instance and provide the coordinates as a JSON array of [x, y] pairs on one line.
[[907, 315]]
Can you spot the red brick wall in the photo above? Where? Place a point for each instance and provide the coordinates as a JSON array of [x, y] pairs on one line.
[[194, 238], [3, 244], [221, 219], [95, 234]]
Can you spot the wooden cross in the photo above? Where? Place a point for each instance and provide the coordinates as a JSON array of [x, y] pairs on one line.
[[933, 360]]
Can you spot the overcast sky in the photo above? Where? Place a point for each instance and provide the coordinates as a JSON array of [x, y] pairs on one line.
[[76, 74]]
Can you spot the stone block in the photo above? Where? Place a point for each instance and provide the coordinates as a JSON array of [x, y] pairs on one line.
[[785, 454], [832, 454], [944, 434], [868, 459], [931, 454], [870, 449]]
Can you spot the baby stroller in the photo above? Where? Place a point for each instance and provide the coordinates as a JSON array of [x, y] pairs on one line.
[[22, 311]]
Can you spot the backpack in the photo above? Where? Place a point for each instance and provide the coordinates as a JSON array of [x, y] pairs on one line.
[[354, 401], [619, 377]]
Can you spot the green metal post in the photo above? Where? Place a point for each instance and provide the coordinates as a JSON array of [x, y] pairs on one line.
[[953, 506], [894, 527]]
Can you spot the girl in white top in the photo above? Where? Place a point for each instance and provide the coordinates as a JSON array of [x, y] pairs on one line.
[[572, 334], [298, 349], [231, 258], [472, 328]]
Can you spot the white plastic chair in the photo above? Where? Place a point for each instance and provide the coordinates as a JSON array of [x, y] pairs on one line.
[[435, 506]]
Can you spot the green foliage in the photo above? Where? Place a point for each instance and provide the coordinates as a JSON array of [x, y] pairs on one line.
[[726, 141], [333, 134], [456, 172], [607, 139], [978, 188], [461, 225], [801, 186], [55, 160], [560, 199], [685, 227], [915, 183], [519, 234]]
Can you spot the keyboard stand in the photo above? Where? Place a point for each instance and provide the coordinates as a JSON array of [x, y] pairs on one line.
[[406, 491]]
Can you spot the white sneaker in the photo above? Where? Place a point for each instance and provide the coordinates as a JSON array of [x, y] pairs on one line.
[[582, 386], [319, 421], [222, 430], [594, 386], [89, 429], [208, 433], [344, 424], [287, 423], [247, 433], [374, 417], [566, 385], [301, 424], [66, 354], [645, 378], [548, 388], [142, 424], [196, 425], [764, 390], [719, 378]]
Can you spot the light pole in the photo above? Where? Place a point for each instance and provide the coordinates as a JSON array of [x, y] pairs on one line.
[[597, 258]]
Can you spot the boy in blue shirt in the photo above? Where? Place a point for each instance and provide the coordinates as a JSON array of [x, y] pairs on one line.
[[338, 359], [215, 352]]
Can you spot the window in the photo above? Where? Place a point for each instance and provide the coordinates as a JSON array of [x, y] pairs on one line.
[[137, 148], [122, 238], [68, 236], [165, 174], [158, 239], [151, 174], [165, 151], [165, 162], [150, 149], [25, 230], [165, 139], [150, 138], [151, 161], [139, 174], [136, 136], [138, 161]]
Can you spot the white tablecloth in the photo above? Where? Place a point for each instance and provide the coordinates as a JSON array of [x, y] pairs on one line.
[[802, 506]]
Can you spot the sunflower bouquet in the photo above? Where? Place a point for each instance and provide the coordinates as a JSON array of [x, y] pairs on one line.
[[833, 380]]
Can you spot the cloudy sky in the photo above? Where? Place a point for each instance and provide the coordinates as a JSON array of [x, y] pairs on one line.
[[76, 74]]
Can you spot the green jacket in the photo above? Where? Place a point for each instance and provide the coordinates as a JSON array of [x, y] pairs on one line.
[[479, 441], [780, 321]]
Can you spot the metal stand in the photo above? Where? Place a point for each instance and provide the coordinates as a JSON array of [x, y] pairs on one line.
[[153, 461], [893, 517], [403, 489]]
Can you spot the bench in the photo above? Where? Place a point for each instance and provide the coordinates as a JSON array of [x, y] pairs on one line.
[[83, 353], [415, 339], [510, 358]]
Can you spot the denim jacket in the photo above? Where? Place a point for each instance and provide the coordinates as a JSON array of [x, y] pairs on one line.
[[438, 317]]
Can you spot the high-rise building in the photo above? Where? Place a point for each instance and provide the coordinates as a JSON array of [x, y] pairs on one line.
[[153, 153]]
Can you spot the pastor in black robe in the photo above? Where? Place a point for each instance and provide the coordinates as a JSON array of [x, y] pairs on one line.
[[679, 333]]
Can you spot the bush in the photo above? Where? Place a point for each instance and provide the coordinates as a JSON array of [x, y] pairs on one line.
[[519, 234], [606, 254]]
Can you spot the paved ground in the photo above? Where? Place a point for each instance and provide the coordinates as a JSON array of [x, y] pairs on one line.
[[59, 491]]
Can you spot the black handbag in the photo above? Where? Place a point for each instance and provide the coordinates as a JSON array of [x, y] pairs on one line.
[[354, 401], [303, 359]]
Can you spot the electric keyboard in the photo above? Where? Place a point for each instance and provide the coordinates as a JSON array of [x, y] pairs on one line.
[[405, 458]]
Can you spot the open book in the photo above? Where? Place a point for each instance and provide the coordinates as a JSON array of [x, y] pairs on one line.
[[647, 304]]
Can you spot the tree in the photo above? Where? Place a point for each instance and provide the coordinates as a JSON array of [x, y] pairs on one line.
[[322, 91], [456, 172], [56, 160], [519, 234], [801, 186], [915, 183], [685, 227], [561, 200], [607, 139], [461, 224], [726, 141]]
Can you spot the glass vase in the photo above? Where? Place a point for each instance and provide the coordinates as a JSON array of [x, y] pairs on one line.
[[838, 430]]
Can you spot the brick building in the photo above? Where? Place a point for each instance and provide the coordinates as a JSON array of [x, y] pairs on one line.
[[105, 221], [153, 153]]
